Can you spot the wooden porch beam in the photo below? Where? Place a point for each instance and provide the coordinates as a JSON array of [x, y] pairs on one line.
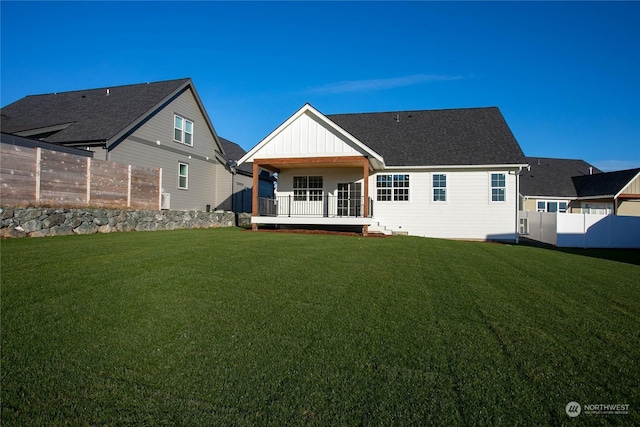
[[334, 161], [365, 175], [254, 193]]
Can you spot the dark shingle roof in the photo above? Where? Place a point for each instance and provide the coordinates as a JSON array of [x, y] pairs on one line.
[[469, 136], [94, 115], [552, 177], [235, 152], [604, 184]]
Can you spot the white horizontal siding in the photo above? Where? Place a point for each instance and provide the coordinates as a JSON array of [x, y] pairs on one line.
[[468, 212], [306, 137], [330, 178]]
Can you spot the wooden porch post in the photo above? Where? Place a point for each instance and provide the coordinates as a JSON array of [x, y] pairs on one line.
[[365, 174], [254, 193]]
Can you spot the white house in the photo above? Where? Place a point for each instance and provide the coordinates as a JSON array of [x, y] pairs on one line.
[[441, 173]]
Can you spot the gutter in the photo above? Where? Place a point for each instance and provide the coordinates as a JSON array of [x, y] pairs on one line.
[[519, 166]]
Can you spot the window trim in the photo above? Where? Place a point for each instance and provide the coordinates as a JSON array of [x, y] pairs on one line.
[[397, 187], [185, 176], [308, 192], [443, 188], [492, 187], [183, 131], [546, 205]]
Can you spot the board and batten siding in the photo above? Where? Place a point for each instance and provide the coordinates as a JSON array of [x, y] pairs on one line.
[[307, 137], [468, 212], [152, 145]]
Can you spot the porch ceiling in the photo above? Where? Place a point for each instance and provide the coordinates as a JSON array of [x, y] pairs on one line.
[[313, 162]]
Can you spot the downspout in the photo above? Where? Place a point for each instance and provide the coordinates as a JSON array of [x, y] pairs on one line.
[[518, 204]]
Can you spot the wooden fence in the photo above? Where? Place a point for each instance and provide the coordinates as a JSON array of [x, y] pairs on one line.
[[35, 176]]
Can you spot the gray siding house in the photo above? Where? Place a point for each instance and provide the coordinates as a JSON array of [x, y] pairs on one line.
[[156, 125], [243, 178]]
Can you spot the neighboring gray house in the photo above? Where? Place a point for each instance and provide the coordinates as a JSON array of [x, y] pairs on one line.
[[548, 185], [156, 125], [243, 178]]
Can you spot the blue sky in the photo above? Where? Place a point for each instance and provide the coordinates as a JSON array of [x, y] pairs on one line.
[[566, 75]]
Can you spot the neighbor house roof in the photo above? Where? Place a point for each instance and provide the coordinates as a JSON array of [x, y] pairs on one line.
[[608, 184], [235, 152], [553, 177], [92, 115], [456, 137]]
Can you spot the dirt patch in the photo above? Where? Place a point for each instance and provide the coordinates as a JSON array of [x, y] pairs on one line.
[[321, 232]]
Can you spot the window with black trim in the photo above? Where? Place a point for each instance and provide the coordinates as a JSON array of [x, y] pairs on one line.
[[392, 187], [182, 130], [307, 188]]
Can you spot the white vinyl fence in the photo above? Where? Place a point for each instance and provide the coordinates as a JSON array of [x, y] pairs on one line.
[[569, 230]]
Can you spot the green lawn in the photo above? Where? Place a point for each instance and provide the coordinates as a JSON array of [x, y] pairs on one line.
[[230, 327]]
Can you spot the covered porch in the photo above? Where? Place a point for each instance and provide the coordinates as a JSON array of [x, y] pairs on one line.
[[322, 191]]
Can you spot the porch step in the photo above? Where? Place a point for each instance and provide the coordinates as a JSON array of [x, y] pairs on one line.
[[376, 227]]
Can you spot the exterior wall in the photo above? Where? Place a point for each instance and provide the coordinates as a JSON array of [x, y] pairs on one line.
[[330, 178], [530, 205], [306, 137], [468, 212], [633, 187], [152, 145], [596, 206], [629, 208]]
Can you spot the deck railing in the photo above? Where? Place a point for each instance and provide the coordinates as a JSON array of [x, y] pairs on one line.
[[327, 206]]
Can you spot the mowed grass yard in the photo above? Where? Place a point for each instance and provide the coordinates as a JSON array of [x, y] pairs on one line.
[[230, 327]]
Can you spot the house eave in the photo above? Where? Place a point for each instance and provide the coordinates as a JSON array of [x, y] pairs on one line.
[[449, 167], [308, 108]]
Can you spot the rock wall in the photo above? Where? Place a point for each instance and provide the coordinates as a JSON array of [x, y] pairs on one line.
[[40, 222]]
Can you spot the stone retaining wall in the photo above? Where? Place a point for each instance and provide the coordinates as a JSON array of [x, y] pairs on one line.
[[40, 222]]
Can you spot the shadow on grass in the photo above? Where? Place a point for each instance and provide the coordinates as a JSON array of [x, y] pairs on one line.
[[628, 256]]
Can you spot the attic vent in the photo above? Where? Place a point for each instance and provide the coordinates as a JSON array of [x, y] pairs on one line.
[[108, 90], [397, 118]]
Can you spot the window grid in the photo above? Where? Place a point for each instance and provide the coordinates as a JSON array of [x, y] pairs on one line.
[[183, 176], [552, 206], [182, 130], [307, 188], [498, 184], [392, 187], [439, 188], [401, 187]]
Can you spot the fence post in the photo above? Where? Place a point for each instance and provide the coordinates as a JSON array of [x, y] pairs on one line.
[[129, 186], [88, 180], [38, 161]]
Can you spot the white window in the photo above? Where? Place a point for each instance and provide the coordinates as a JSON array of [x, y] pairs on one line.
[[182, 130], [498, 185], [551, 206], [183, 176], [439, 187], [392, 187], [307, 188]]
